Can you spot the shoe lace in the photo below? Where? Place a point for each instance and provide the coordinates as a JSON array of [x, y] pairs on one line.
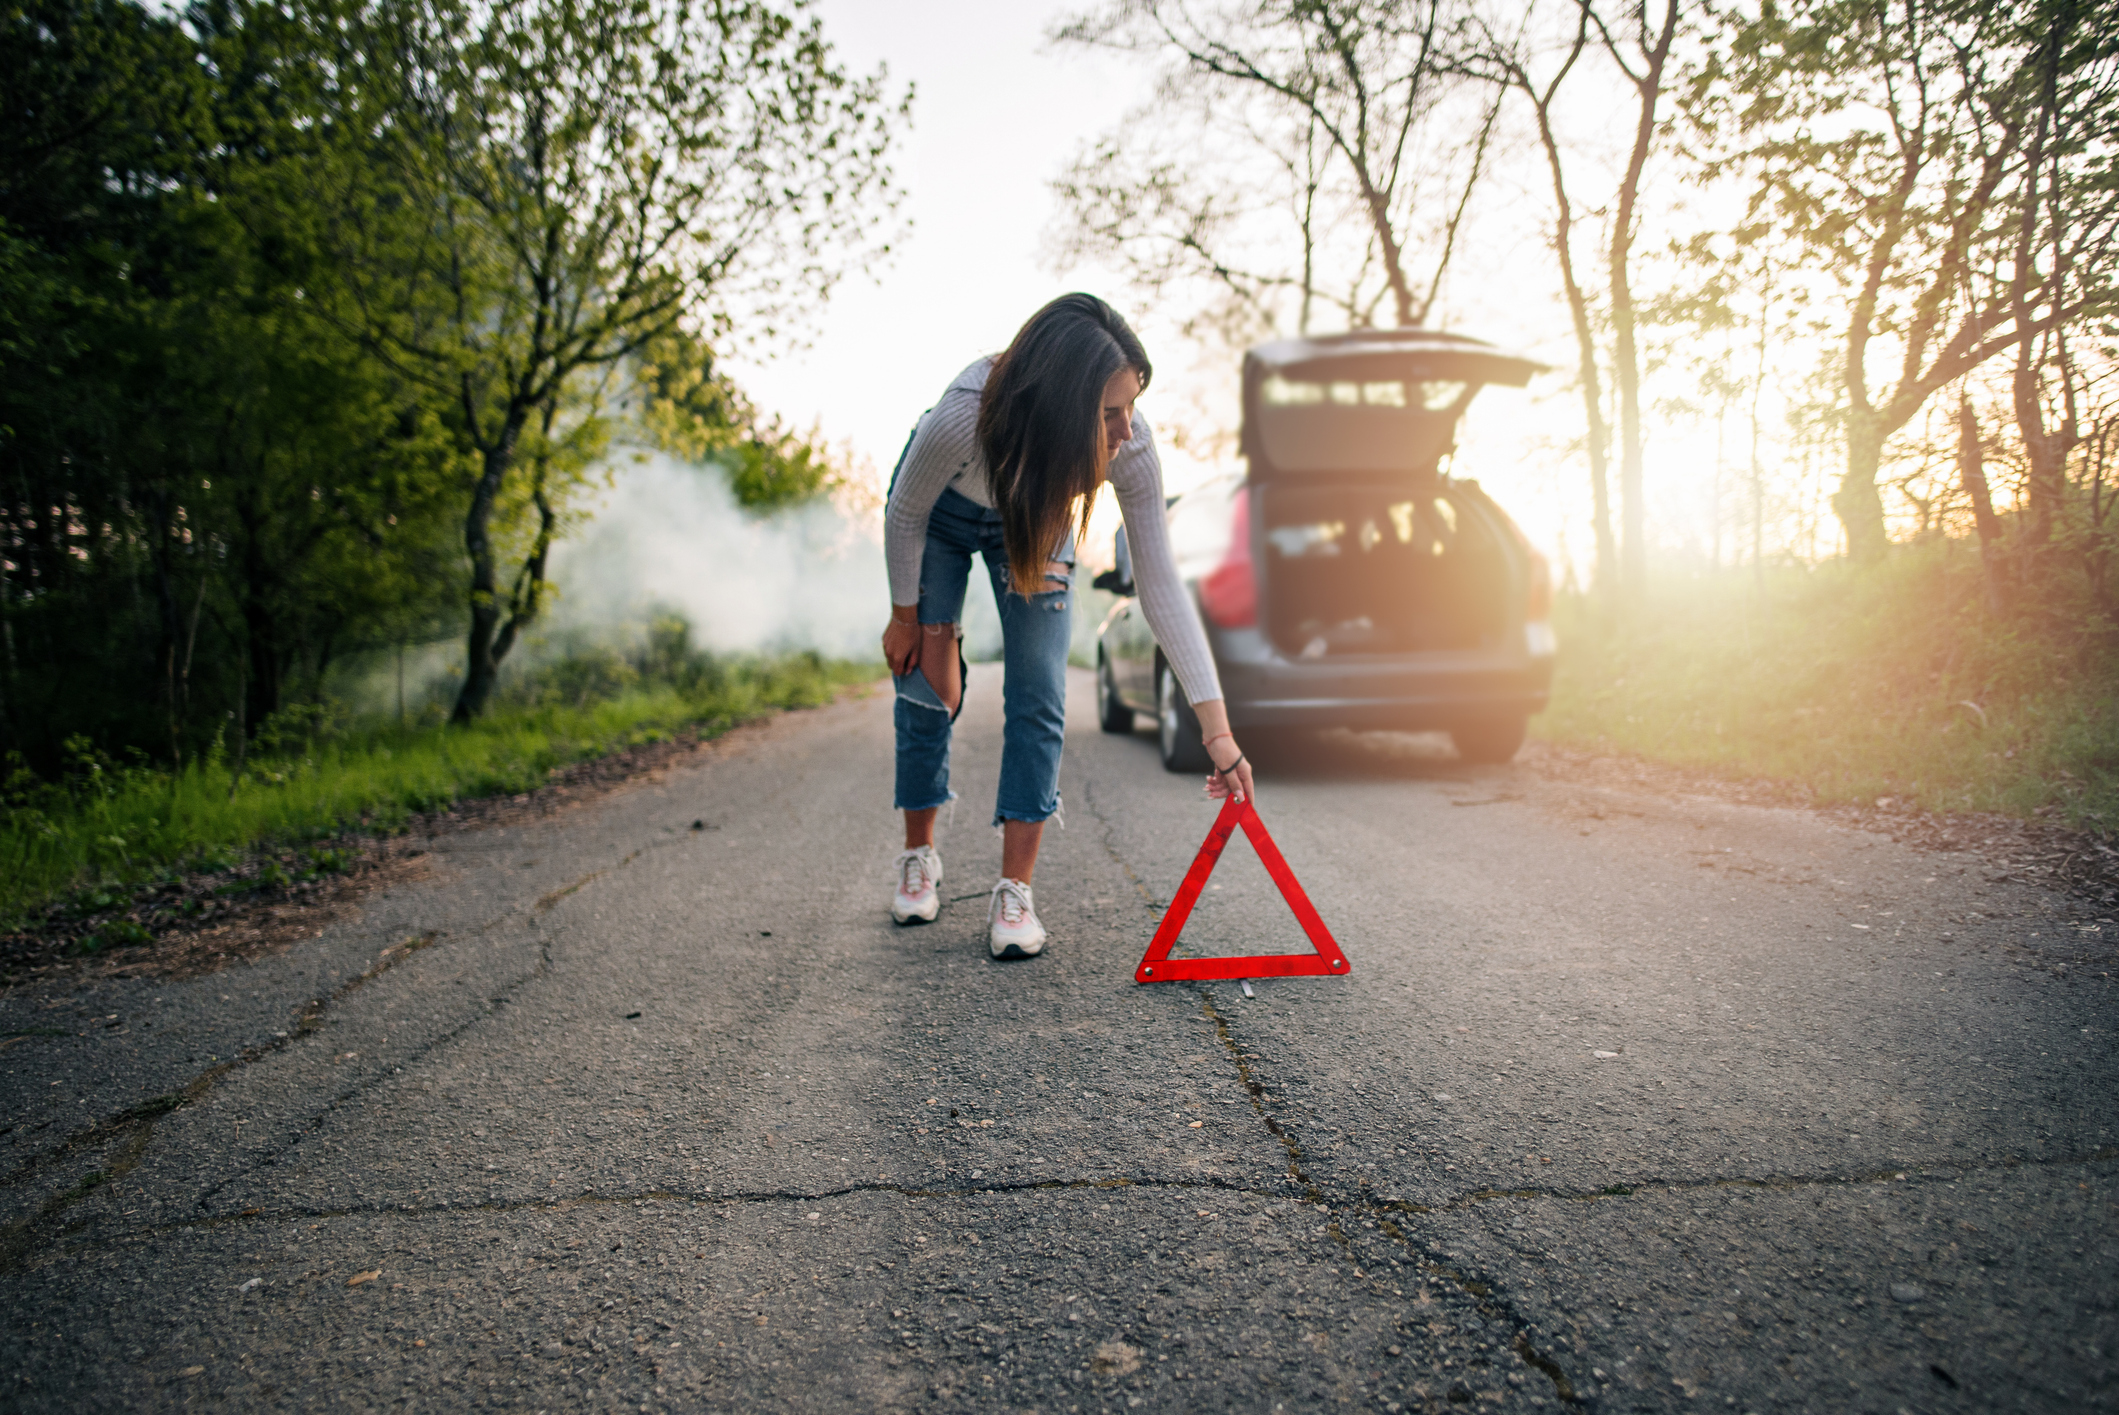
[[912, 871], [1013, 900]]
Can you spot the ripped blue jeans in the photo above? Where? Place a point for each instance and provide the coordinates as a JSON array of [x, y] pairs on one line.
[[1035, 632]]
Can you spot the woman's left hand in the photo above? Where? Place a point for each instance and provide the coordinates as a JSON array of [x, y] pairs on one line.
[[901, 642], [1224, 753]]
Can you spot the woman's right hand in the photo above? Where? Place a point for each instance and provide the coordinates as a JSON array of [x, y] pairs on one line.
[[1236, 778], [901, 643]]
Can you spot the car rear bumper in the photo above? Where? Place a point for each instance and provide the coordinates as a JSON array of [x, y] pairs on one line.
[[1432, 691]]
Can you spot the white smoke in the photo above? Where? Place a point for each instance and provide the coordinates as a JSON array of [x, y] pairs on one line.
[[669, 535]]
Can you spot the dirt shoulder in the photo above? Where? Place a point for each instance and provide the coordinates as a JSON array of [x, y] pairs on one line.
[[2030, 851]]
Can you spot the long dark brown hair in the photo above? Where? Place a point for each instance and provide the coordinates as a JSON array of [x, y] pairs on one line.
[[1041, 426]]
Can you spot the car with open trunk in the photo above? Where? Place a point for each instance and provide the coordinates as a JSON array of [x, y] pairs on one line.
[[1345, 575]]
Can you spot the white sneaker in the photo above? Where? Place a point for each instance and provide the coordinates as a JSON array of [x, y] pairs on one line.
[[1015, 931], [916, 901]]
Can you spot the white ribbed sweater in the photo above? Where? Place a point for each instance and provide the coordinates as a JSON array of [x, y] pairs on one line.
[[944, 456]]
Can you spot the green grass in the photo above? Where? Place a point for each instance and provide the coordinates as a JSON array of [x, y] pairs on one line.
[[110, 828], [1855, 683]]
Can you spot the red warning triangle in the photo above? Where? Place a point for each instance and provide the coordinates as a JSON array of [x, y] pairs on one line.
[[1157, 966]]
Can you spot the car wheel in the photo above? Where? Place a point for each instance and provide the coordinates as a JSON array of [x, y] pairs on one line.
[[1491, 741], [1177, 727], [1112, 714]]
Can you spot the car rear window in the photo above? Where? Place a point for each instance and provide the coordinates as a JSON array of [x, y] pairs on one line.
[[1387, 426], [1425, 395]]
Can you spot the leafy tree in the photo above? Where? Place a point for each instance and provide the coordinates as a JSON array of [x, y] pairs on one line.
[[557, 183], [208, 489], [1504, 59], [1948, 165], [327, 468], [2069, 181], [273, 299]]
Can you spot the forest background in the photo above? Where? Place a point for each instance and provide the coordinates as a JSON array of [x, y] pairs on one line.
[[321, 324]]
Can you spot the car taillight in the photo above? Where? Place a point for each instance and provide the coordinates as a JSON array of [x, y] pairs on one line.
[[1229, 593]]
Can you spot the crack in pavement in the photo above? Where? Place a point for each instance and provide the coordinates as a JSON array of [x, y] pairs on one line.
[[1254, 1091], [1380, 1209], [1313, 1194], [548, 900], [100, 1129], [704, 1198], [1481, 1291], [1482, 1294], [1089, 799], [1931, 1172], [135, 1126], [313, 1123], [134, 1129], [17, 1238]]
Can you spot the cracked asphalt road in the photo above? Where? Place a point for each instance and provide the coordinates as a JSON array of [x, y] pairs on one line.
[[1630, 1103]]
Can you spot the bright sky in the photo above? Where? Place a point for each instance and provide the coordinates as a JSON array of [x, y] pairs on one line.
[[995, 118]]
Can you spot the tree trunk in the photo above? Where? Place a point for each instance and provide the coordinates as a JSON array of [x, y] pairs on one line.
[[1649, 87], [191, 642], [324, 654], [1714, 490], [262, 696], [1393, 258], [10, 729], [1598, 433], [2045, 451], [170, 614], [260, 627], [1309, 230], [481, 668], [242, 728], [1634, 545], [1972, 475], [1857, 503], [527, 598]]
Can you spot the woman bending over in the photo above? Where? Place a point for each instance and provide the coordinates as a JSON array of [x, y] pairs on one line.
[[1007, 465]]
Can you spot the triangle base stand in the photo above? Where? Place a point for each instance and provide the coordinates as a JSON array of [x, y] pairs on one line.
[[1157, 966]]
